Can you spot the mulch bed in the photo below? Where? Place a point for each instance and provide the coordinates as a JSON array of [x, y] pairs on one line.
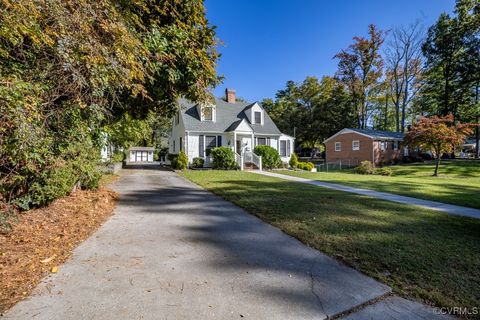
[[44, 238]]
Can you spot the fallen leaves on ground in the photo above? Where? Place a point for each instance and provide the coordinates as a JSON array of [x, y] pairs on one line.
[[44, 238]]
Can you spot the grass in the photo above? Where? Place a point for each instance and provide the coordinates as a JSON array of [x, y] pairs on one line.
[[420, 253], [458, 181]]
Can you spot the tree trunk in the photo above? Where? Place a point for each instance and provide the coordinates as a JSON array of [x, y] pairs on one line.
[[437, 163], [385, 124], [477, 129]]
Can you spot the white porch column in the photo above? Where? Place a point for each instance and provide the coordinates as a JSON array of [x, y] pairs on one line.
[[235, 142], [253, 142], [187, 137]]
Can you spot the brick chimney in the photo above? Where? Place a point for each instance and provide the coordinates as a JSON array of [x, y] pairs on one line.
[[230, 95]]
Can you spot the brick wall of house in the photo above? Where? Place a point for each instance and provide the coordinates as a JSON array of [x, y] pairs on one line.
[[389, 154], [346, 154]]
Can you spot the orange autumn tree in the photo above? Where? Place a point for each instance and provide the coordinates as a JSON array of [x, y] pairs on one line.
[[438, 135]]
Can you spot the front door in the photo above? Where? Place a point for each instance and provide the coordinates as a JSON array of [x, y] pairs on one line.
[[239, 146]]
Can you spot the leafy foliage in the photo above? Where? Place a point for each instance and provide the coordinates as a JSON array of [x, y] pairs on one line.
[[293, 160], [198, 162], [360, 68], [223, 158], [365, 167], [182, 161], [385, 171], [438, 135], [308, 166], [270, 157], [70, 70], [315, 109], [178, 161]]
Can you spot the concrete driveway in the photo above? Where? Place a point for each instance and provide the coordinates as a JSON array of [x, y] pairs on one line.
[[175, 251]]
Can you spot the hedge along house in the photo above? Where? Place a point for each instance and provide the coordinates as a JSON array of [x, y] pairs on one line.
[[349, 147], [198, 128]]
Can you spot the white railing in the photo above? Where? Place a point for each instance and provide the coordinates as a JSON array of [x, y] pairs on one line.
[[239, 160], [257, 160], [250, 157]]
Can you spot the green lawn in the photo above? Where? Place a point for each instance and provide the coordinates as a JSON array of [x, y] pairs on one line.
[[458, 181], [420, 253]]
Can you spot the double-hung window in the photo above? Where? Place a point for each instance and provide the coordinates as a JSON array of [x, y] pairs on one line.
[[208, 113], [355, 145], [210, 143], [258, 117], [338, 146], [261, 141], [283, 148]]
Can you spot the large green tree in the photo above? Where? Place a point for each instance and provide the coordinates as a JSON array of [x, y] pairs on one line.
[[452, 68], [70, 67], [313, 109], [360, 67]]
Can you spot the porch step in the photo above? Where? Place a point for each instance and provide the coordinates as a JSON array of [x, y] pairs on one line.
[[250, 166]]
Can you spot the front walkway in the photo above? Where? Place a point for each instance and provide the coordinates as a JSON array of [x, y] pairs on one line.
[[433, 205], [173, 250]]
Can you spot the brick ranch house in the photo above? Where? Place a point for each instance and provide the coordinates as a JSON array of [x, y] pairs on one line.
[[352, 146]]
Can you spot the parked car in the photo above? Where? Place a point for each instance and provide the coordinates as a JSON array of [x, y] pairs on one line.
[[309, 152]]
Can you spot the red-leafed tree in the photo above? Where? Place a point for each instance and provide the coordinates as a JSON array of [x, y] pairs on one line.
[[438, 135]]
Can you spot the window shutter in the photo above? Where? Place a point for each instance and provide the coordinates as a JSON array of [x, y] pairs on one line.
[[268, 142], [201, 147], [288, 148], [219, 141]]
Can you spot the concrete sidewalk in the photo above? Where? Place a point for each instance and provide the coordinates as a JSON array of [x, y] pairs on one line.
[[175, 251], [433, 205]]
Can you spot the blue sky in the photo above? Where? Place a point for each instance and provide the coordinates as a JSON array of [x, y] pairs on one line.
[[268, 42]]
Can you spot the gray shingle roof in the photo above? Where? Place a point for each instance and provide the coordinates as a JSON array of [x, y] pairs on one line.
[[229, 115], [377, 134]]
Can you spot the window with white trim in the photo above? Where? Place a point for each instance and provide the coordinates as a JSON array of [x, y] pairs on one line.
[[258, 117], [208, 113], [210, 143], [261, 141], [338, 146], [283, 148], [383, 145], [395, 145], [355, 145]]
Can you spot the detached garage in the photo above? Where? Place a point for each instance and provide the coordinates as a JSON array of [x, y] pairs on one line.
[[140, 154]]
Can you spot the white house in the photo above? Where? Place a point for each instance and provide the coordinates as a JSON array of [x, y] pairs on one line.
[[198, 128]]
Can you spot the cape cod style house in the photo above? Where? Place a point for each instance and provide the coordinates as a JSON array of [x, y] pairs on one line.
[[198, 128]]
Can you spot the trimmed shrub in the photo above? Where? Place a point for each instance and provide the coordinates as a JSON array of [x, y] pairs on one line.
[[173, 158], [309, 166], [306, 166], [182, 161], [365, 167], [385, 171], [198, 162], [178, 161], [223, 158], [293, 160], [270, 157]]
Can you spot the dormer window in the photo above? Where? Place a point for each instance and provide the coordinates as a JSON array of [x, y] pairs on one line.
[[258, 117], [208, 113]]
